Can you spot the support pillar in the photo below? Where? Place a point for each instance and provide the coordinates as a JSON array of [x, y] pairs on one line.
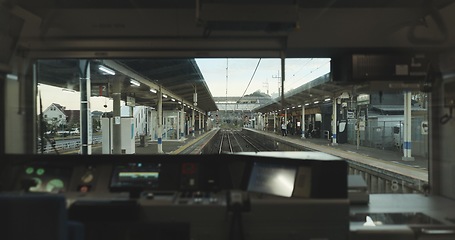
[[286, 117], [302, 124], [205, 123], [182, 122], [334, 122], [264, 122], [86, 118], [407, 128], [200, 123], [159, 125], [274, 122], [116, 127], [193, 121]]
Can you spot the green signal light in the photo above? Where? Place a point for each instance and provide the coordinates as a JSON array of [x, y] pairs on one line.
[[29, 170], [40, 171]]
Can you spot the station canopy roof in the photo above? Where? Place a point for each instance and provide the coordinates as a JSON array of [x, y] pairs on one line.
[[310, 94], [179, 79]]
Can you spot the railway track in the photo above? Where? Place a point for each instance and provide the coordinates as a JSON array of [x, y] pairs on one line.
[[230, 141]]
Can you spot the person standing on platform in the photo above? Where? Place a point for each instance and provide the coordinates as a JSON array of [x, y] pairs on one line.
[[283, 129]]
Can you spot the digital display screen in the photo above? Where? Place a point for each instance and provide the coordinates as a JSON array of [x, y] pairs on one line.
[[274, 179], [136, 175]]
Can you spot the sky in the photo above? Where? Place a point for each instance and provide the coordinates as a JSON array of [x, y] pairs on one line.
[[224, 77], [234, 75], [70, 99]]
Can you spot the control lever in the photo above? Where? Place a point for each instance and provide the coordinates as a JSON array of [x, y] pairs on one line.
[[237, 203]]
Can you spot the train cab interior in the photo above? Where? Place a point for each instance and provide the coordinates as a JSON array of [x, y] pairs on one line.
[[375, 46]]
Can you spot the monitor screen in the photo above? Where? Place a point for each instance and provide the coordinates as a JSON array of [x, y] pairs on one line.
[[274, 179], [135, 175]]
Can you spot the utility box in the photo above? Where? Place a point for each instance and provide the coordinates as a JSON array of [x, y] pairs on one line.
[[127, 133]]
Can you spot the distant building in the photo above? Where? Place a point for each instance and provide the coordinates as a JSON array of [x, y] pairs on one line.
[[237, 109], [58, 116]]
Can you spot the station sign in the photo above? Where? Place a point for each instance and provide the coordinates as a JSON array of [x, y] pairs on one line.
[[100, 90], [130, 101]]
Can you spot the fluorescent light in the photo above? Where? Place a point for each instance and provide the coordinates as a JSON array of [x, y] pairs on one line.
[[106, 70], [299, 106], [164, 95], [316, 102], [172, 99], [327, 99], [180, 102], [293, 107], [152, 90], [135, 83], [306, 104], [11, 76]]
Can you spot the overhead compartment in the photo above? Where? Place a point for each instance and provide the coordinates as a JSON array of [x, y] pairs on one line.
[[239, 16], [393, 68]]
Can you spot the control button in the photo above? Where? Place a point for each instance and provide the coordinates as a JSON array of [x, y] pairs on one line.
[[84, 188], [87, 177], [149, 195]]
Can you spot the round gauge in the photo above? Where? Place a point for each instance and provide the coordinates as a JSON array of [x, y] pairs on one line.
[[40, 171], [55, 185], [29, 170], [87, 177]]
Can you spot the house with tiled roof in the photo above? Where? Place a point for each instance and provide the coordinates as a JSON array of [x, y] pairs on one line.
[[55, 114], [60, 117]]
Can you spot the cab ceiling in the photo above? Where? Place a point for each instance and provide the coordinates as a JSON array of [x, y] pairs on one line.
[[186, 28]]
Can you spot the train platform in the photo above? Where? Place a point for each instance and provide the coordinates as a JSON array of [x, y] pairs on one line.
[[378, 158], [186, 145]]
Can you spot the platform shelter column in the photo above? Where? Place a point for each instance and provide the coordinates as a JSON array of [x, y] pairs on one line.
[[334, 122], [116, 128], [200, 123], [182, 121], [86, 119], [286, 118], [274, 122], [193, 121], [407, 145], [159, 125], [302, 124]]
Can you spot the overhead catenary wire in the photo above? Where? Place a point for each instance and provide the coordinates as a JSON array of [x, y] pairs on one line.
[[251, 79], [312, 71], [227, 78]]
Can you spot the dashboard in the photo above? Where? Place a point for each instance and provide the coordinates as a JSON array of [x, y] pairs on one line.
[[301, 195], [167, 197], [136, 175]]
